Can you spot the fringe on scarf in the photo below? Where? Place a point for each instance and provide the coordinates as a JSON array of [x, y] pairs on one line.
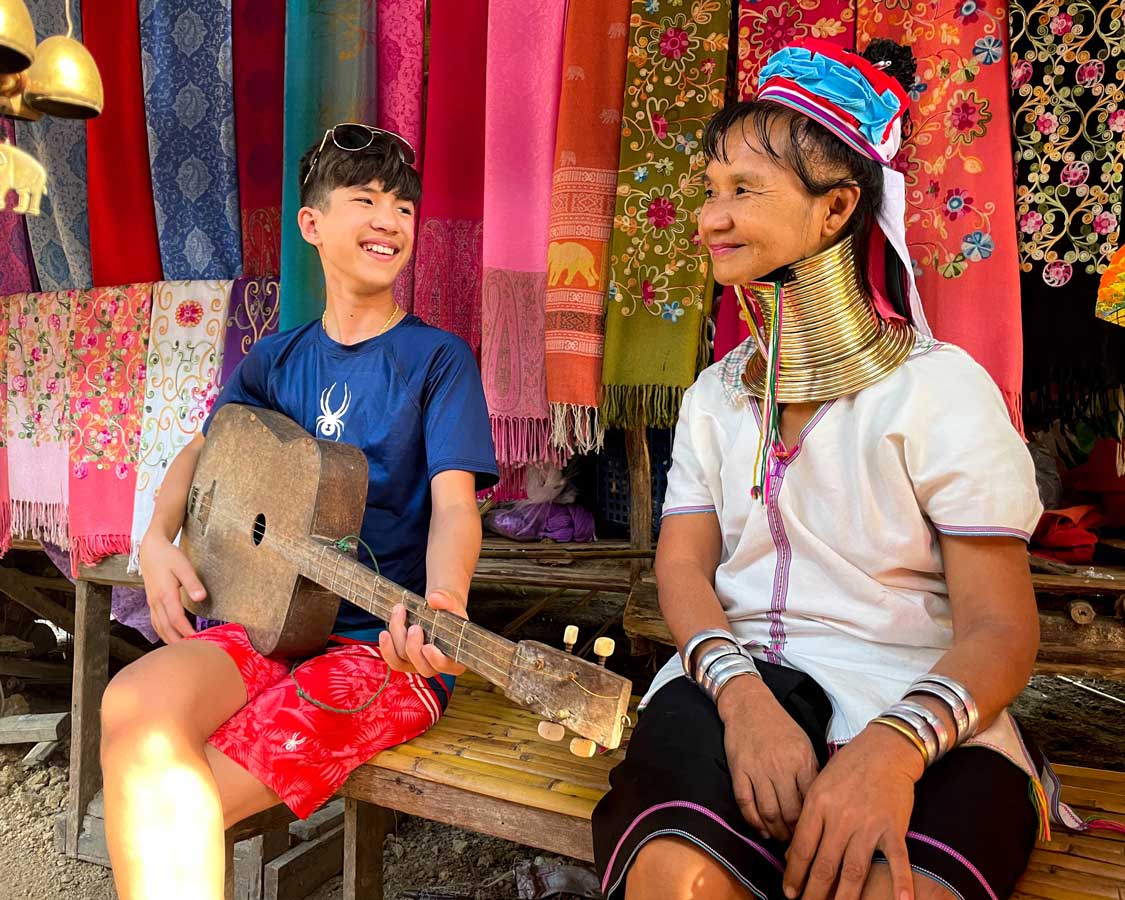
[[637, 405], [1014, 401], [5, 527], [576, 429], [41, 521], [512, 485], [91, 549], [521, 440]]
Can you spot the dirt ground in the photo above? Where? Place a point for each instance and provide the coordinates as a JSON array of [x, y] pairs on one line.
[[1069, 723]]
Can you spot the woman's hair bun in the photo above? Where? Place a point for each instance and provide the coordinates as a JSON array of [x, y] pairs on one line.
[[899, 61]]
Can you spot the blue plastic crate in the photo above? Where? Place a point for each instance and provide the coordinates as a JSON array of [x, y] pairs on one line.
[[613, 476]]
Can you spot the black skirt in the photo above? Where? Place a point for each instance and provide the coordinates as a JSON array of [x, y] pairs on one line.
[[972, 829]]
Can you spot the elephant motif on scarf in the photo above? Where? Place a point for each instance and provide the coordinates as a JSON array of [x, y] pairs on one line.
[[22, 173]]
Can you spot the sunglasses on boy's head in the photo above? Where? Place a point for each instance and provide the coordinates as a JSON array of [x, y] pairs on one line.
[[354, 136]]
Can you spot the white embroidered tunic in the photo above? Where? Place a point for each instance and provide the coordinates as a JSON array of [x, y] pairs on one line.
[[839, 573]]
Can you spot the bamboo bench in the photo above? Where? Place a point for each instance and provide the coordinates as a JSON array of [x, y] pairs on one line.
[[484, 768]]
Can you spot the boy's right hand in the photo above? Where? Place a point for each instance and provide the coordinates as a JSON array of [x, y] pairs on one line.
[[165, 569]]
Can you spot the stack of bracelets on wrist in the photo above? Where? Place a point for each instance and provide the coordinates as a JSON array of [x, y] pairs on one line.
[[923, 727], [717, 666]]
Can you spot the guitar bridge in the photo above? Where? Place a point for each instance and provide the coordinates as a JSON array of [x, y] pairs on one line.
[[199, 505]]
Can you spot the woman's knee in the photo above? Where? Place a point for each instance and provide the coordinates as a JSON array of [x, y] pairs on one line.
[[675, 869]]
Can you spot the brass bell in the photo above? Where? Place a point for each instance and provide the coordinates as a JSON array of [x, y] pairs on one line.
[[17, 37], [64, 80]]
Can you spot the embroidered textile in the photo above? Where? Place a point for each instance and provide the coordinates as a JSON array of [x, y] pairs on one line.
[[123, 248], [1068, 118], [17, 273], [39, 340], [60, 234], [107, 380], [447, 273], [258, 32], [524, 46], [1111, 290], [252, 315], [185, 348], [189, 106], [959, 193], [765, 26], [660, 288], [330, 71], [586, 152]]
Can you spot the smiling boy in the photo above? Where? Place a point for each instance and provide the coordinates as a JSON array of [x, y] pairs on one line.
[[205, 732]]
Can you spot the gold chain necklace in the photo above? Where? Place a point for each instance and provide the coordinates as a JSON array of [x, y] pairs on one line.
[[386, 325]]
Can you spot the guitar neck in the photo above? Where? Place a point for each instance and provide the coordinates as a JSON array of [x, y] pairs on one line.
[[485, 653]]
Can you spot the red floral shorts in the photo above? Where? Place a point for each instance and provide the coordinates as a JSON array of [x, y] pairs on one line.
[[286, 737]]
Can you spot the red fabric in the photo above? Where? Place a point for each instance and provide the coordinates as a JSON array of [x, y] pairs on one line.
[[1068, 534], [300, 751], [1098, 477], [447, 275], [123, 244], [258, 49]]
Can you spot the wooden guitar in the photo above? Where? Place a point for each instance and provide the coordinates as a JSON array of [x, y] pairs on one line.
[[265, 511]]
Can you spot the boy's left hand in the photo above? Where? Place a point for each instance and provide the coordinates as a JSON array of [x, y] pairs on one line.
[[405, 649]]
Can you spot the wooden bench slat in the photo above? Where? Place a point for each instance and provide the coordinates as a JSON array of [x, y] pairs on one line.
[[1097, 846], [1046, 861]]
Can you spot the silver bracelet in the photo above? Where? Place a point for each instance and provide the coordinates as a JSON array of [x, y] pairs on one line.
[[727, 671], [919, 726], [706, 635], [972, 712], [935, 722], [709, 658], [953, 703]]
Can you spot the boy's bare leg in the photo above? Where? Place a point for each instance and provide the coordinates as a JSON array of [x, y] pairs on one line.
[[168, 797]]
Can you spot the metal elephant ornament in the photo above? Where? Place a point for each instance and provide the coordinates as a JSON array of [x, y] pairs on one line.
[[22, 173]]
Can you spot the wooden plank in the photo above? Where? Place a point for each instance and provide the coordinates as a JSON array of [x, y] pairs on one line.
[[1106, 580], [301, 870], [512, 821], [35, 670], [365, 832], [587, 577], [91, 845], [31, 729], [250, 858], [39, 754], [528, 614], [91, 673], [114, 571], [1046, 861], [640, 488], [320, 822]]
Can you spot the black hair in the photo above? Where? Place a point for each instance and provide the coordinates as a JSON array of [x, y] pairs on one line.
[[818, 156], [338, 168]]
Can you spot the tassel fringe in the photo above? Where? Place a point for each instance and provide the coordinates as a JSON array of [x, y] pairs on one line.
[[520, 441], [1014, 401], [1042, 808], [635, 405], [91, 549], [41, 521], [5, 527], [575, 429]]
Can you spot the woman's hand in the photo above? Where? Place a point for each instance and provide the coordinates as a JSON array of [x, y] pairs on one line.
[[860, 803], [405, 649], [772, 764]]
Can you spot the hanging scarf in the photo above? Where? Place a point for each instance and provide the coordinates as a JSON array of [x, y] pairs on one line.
[[447, 276], [189, 105], [330, 70], [960, 228], [1111, 291], [524, 47], [60, 234], [5, 492], [123, 247], [401, 31], [258, 31], [185, 349], [252, 315], [17, 272], [660, 291], [763, 27], [107, 381], [1069, 127], [39, 340], [586, 151]]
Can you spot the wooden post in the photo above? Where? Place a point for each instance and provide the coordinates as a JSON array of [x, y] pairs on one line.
[[365, 830], [91, 672], [640, 493]]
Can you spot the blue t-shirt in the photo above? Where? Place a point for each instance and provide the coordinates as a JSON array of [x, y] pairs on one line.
[[411, 399]]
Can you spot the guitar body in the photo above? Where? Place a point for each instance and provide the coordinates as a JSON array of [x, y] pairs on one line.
[[260, 473]]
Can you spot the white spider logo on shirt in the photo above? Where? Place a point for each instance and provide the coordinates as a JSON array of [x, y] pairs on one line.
[[294, 742], [330, 423]]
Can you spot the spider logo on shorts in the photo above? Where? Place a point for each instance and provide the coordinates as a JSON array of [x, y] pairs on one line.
[[330, 423], [294, 742]]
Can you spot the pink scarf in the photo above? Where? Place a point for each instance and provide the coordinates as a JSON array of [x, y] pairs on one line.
[[524, 47]]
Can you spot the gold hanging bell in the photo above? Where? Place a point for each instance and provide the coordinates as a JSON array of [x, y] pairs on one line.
[[17, 37], [64, 80]]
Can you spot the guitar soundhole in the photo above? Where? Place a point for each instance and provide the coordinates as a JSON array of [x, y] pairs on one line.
[[259, 528]]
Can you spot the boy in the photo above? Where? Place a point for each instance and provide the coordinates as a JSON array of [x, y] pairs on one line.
[[205, 731]]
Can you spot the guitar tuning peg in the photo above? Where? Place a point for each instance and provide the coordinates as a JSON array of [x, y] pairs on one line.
[[583, 748], [603, 649], [551, 731], [570, 637]]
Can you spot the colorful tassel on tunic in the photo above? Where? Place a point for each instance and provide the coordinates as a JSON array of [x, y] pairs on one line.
[[258, 32], [189, 106], [107, 382], [447, 272], [525, 48], [60, 234], [38, 370], [330, 73], [123, 248], [586, 153], [660, 288], [769, 434], [185, 350], [252, 315]]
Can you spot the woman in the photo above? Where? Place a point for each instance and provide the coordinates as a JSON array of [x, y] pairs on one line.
[[847, 513]]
